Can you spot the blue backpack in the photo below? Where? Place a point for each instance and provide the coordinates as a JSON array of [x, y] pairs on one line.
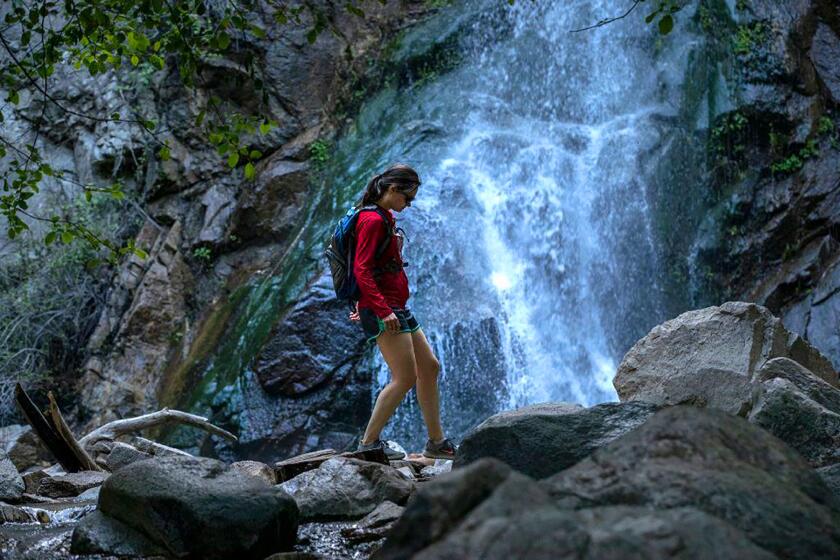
[[339, 252]]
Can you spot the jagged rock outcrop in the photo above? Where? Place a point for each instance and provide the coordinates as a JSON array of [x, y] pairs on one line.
[[774, 153], [689, 483]]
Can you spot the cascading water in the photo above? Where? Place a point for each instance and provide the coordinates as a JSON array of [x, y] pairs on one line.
[[532, 255]]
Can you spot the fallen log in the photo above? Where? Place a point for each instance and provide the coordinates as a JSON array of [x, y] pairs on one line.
[[63, 431], [112, 430], [47, 432]]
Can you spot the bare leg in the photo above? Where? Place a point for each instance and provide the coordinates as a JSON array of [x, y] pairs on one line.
[[398, 351], [427, 384]]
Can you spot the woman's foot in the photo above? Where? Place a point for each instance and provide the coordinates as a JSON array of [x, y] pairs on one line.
[[444, 449], [391, 453]]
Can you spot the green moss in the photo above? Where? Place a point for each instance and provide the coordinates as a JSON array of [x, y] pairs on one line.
[[794, 162], [748, 36], [319, 152]]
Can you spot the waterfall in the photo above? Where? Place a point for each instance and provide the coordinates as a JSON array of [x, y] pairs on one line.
[[532, 251]]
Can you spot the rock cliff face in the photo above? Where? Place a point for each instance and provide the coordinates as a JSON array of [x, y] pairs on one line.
[[773, 156]]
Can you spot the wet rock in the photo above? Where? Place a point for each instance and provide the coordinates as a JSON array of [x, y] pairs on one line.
[[831, 477], [11, 483], [374, 525], [70, 484], [31, 481], [709, 357], [440, 505], [201, 508], [717, 463], [23, 447], [825, 52], [12, 514], [543, 439], [101, 534], [298, 358], [256, 469], [800, 409], [346, 488]]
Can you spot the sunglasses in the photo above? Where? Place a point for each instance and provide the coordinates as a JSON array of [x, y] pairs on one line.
[[409, 198]]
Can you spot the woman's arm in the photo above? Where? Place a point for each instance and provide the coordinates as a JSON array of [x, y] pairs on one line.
[[370, 231]]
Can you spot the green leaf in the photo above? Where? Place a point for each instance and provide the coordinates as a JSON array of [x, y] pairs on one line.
[[14, 98], [666, 24], [312, 36], [157, 61], [135, 60], [66, 237], [117, 194], [255, 154], [88, 195], [200, 118], [249, 171], [265, 127], [233, 159], [355, 10], [50, 238], [222, 40], [651, 16], [115, 116], [164, 153], [139, 252]]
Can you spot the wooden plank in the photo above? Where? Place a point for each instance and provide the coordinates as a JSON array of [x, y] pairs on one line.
[[63, 430], [46, 431]]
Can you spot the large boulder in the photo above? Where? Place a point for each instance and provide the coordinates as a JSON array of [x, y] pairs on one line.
[[11, 483], [200, 508], [517, 517], [543, 439], [685, 457], [346, 488], [710, 357]]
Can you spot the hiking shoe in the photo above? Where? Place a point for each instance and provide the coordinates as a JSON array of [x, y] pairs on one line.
[[443, 450], [391, 453]]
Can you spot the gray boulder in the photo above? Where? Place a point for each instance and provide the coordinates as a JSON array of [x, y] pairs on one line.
[[374, 525], [11, 483], [800, 409], [685, 457], [710, 357], [13, 514], [346, 488], [200, 508], [518, 518], [544, 439], [70, 484]]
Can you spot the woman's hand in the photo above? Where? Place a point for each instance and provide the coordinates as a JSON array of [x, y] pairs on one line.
[[354, 315], [392, 324]]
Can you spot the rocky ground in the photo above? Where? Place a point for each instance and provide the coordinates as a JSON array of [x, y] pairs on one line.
[[724, 445]]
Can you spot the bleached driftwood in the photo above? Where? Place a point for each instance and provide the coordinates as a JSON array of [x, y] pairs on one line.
[[112, 430]]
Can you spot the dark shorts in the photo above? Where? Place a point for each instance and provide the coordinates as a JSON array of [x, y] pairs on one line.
[[374, 326]]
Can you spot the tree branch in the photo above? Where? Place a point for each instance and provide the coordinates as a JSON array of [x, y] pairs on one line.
[[609, 20]]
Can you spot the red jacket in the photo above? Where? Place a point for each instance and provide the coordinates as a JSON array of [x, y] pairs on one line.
[[382, 291]]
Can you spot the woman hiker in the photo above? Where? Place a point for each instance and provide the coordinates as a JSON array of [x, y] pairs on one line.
[[382, 311]]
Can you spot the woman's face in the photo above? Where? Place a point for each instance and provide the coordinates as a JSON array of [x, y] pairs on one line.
[[398, 200]]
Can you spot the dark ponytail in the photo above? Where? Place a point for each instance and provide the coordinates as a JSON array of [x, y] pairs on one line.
[[402, 176]]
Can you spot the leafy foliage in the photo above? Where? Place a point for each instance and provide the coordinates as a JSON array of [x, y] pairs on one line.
[[137, 37]]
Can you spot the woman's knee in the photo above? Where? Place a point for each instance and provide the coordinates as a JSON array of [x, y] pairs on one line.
[[429, 371], [403, 384]]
